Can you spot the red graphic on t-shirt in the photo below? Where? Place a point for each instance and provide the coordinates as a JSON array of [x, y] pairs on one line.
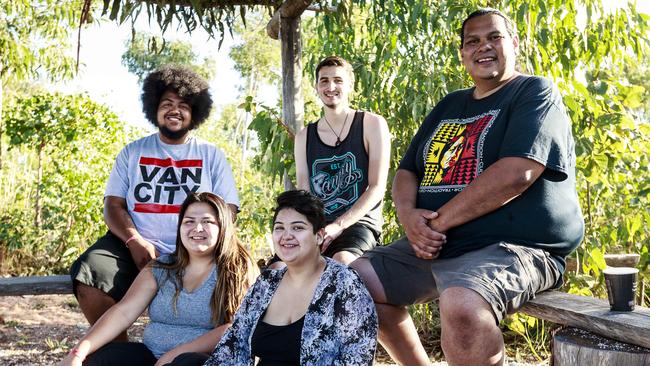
[[452, 155], [164, 182]]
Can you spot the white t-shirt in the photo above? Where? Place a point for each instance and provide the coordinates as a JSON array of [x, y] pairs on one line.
[[155, 177]]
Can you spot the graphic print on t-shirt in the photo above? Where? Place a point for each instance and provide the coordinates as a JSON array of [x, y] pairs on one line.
[[335, 181], [164, 184], [453, 155]]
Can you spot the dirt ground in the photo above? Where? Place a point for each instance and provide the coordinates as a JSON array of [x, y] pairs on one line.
[[39, 330]]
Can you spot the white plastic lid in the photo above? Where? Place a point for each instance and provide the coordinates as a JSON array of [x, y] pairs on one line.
[[620, 270]]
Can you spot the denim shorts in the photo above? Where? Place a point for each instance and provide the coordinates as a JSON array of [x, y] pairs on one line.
[[506, 275]]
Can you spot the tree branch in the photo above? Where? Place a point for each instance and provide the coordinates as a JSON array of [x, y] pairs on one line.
[[289, 9]]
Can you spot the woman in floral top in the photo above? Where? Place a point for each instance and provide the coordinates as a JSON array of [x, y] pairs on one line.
[[314, 311]]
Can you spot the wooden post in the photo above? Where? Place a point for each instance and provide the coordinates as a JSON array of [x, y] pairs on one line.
[[573, 346], [293, 111]]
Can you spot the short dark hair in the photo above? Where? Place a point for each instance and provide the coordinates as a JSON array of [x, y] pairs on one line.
[[305, 204], [191, 87], [335, 61], [511, 27]]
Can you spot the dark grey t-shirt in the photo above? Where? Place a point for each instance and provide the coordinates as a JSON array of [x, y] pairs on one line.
[[462, 137]]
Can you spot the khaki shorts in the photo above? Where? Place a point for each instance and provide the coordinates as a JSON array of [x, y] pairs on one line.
[[505, 275]]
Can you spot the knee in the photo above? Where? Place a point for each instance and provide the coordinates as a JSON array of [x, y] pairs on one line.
[[370, 279], [344, 257], [464, 311], [86, 292]]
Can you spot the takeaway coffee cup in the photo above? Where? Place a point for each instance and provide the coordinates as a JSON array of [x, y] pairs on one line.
[[621, 287]]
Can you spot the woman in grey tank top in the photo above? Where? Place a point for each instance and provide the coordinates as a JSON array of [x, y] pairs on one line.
[[192, 295]]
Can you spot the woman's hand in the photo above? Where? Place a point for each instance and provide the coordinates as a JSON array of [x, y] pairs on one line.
[[71, 360], [168, 357], [332, 231]]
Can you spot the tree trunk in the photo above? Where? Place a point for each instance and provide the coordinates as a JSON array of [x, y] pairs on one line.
[[293, 109], [1, 120], [39, 178], [573, 346], [292, 102]]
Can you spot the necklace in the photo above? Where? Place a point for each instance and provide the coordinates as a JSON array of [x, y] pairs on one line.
[[338, 135]]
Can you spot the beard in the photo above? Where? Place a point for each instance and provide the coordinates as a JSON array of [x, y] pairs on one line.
[[173, 135]]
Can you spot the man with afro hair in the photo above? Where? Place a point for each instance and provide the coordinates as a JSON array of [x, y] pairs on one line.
[[150, 179]]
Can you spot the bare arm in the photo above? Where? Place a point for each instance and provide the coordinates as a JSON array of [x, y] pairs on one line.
[[118, 318], [377, 143], [425, 241], [204, 343], [119, 222], [499, 184]]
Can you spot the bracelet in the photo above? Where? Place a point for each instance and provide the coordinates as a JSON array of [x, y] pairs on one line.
[[75, 353], [130, 239]]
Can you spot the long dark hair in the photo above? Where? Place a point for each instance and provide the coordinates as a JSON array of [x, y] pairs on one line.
[[231, 258]]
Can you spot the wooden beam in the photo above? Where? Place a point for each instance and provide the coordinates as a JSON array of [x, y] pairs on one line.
[[592, 314], [35, 285], [293, 108], [289, 9], [292, 101], [206, 4]]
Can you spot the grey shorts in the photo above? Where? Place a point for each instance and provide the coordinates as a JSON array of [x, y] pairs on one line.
[[106, 265], [505, 275], [356, 239]]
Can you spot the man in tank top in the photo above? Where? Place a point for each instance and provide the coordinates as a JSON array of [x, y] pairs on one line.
[[343, 159]]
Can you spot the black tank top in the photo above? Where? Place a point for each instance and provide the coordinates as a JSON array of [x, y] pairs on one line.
[[277, 345], [338, 175]]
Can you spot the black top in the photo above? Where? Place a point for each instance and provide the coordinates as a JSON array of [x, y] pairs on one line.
[[277, 345], [338, 175]]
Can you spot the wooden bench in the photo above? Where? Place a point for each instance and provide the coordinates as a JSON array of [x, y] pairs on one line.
[[35, 285], [593, 316], [586, 313]]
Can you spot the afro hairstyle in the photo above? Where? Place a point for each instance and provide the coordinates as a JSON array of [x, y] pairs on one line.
[[191, 87]]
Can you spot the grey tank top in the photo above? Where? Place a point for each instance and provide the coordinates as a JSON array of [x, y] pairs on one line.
[[338, 175], [167, 329]]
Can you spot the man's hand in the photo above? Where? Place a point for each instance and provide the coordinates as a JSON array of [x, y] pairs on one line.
[[425, 241], [332, 231], [141, 251]]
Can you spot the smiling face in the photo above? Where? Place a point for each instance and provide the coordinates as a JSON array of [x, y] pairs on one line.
[[199, 229], [334, 86], [174, 116], [488, 52], [294, 239]]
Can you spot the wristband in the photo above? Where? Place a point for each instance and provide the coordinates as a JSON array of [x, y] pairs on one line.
[[130, 239], [75, 353]]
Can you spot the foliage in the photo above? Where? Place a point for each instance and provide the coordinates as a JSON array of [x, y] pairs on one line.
[[146, 52], [33, 38], [79, 139], [213, 18], [256, 57]]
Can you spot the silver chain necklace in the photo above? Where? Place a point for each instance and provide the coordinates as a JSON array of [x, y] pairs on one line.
[[338, 135]]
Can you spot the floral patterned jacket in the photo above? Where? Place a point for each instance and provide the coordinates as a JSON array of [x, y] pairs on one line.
[[340, 326]]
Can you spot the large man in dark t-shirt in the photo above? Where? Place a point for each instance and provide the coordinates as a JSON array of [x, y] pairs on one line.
[[486, 195]]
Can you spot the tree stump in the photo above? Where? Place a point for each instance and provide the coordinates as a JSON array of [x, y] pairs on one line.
[[577, 347]]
